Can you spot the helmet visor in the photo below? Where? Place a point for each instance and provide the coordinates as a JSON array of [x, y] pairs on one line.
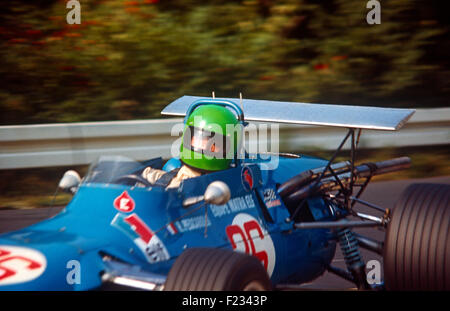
[[209, 143]]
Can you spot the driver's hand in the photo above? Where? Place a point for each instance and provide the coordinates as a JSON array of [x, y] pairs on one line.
[[152, 174], [185, 172]]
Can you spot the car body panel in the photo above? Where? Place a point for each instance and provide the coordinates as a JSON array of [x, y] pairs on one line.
[[151, 228]]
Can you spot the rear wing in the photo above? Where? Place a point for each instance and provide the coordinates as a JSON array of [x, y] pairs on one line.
[[372, 118]]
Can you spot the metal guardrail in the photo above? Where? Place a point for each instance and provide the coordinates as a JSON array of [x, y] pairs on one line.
[[44, 145]]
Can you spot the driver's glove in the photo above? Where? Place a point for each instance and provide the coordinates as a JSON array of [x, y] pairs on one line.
[[152, 174]]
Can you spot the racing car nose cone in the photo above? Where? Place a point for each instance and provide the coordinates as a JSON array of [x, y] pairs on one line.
[[217, 193]]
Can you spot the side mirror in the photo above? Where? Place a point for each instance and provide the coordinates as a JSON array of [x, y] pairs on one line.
[[217, 193], [70, 181]]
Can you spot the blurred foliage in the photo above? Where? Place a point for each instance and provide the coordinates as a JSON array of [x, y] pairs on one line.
[[128, 59], [35, 187]]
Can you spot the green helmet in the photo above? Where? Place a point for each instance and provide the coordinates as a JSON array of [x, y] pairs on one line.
[[211, 137]]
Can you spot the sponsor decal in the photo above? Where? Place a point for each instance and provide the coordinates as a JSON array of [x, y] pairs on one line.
[[248, 236], [247, 178], [20, 264], [270, 198], [144, 238], [124, 202], [234, 205], [192, 223]]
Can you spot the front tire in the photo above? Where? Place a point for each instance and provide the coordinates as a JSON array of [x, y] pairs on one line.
[[207, 269], [417, 243]]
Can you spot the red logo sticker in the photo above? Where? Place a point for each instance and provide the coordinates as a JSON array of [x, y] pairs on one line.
[[124, 202], [247, 178]]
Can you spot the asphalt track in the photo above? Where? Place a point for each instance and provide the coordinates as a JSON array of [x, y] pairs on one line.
[[383, 194]]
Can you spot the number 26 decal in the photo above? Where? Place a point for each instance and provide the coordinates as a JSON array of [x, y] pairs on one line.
[[246, 235]]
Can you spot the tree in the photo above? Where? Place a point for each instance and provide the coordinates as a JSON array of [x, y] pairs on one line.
[[128, 59]]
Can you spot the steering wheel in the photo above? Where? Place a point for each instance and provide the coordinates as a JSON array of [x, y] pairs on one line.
[[132, 179]]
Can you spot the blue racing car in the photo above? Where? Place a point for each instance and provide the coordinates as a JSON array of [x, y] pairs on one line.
[[242, 222]]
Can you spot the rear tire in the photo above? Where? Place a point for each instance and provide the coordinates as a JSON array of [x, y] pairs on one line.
[[417, 243], [208, 269]]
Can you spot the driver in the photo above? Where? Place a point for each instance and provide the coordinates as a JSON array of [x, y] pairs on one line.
[[209, 143]]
